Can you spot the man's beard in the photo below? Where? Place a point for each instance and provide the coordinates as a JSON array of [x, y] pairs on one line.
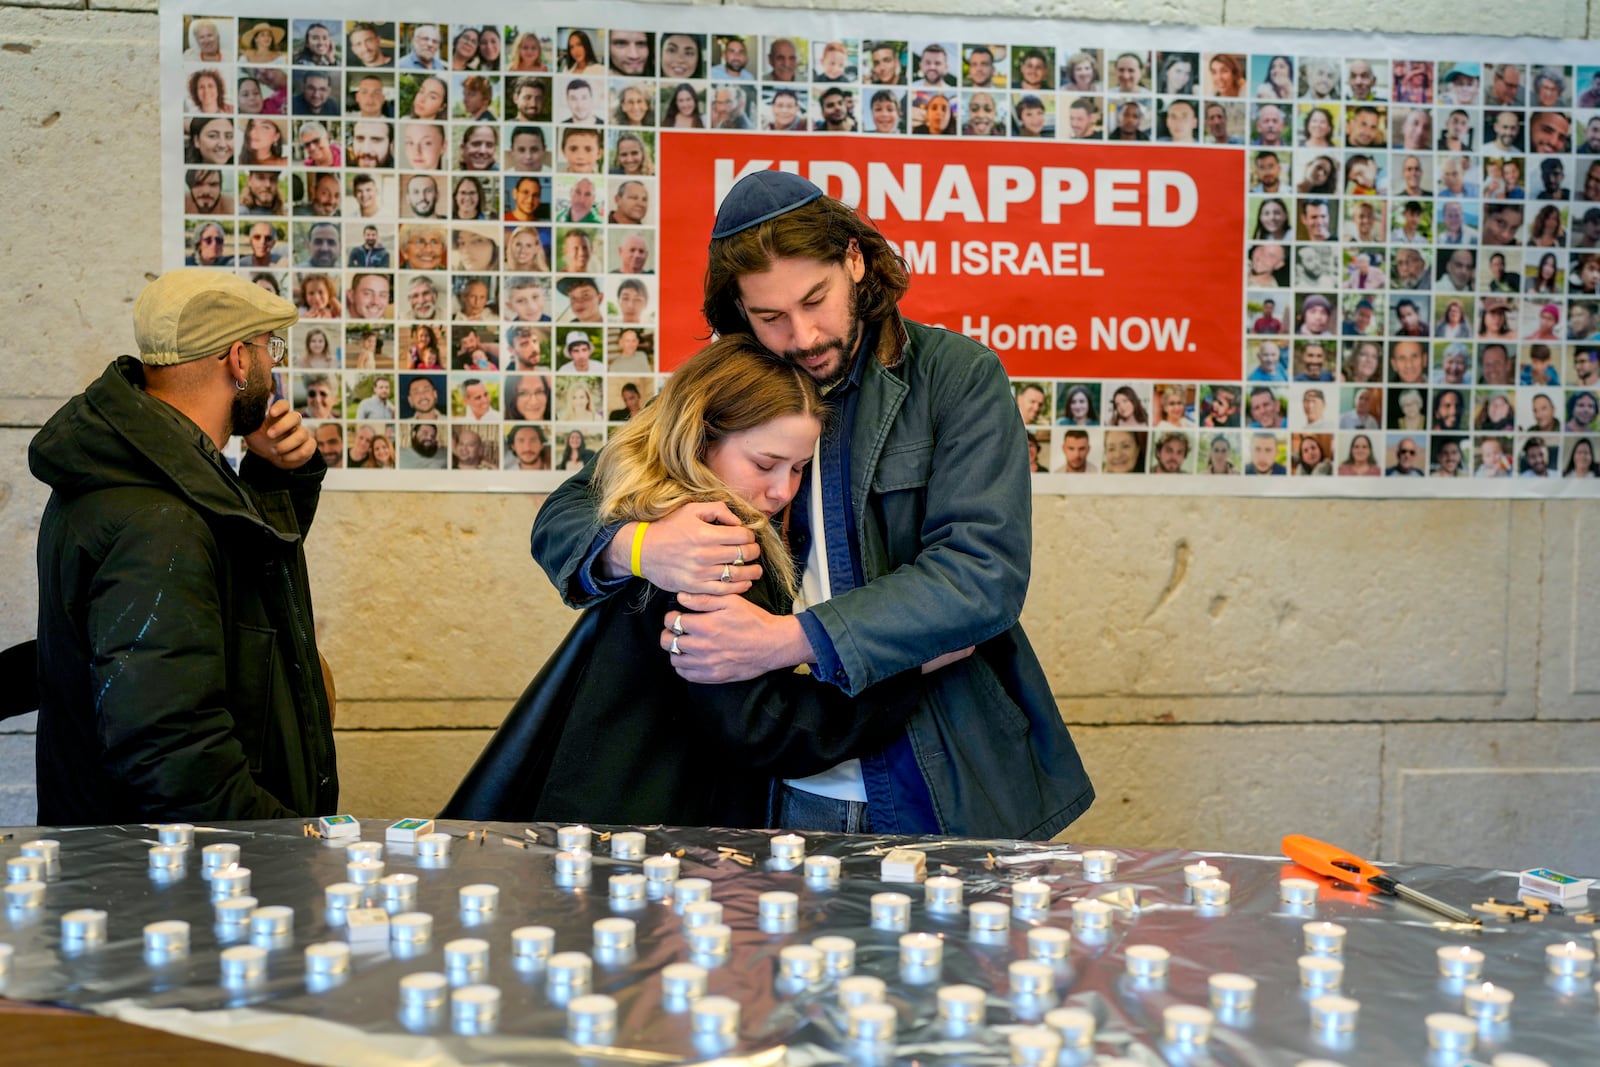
[[845, 345], [426, 449], [249, 409]]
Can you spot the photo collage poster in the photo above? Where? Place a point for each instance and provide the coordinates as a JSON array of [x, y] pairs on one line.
[[1352, 266]]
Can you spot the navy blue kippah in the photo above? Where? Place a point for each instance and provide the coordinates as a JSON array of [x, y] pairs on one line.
[[759, 196]]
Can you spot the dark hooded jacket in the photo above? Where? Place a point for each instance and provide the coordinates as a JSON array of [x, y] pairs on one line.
[[178, 669]]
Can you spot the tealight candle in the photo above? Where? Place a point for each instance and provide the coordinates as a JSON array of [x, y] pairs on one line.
[[423, 992], [890, 911], [1075, 1025], [800, 964], [434, 847], [166, 857], [715, 1019], [1099, 863], [235, 911], [1449, 1032], [861, 989], [1232, 992], [838, 955], [411, 928], [1321, 972], [467, 954], [532, 945], [777, 910], [230, 882], [1568, 960], [84, 924], [702, 913], [44, 848], [942, 893], [327, 958], [363, 850], [683, 981], [1211, 892], [1035, 1046], [686, 891], [398, 890], [989, 916], [1030, 978], [627, 845], [1032, 895], [1324, 938], [961, 1007], [822, 871], [224, 854], [788, 848], [872, 1023], [661, 870], [1091, 914], [1186, 1024], [1459, 961], [1516, 1059], [1487, 1003], [26, 869], [921, 951], [341, 896], [243, 964], [1333, 1014], [169, 937], [1199, 872], [614, 934], [711, 940], [273, 920], [573, 864], [592, 1019], [475, 1009], [626, 888], [571, 970], [479, 899], [574, 838], [1146, 961], [1049, 944], [1298, 892], [24, 896], [361, 872]]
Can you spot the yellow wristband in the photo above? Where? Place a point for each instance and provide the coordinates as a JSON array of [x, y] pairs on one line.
[[638, 546]]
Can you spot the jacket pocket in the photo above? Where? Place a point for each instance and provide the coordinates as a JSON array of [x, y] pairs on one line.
[[255, 655], [903, 467]]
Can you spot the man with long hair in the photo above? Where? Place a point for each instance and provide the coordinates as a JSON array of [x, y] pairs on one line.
[[914, 525]]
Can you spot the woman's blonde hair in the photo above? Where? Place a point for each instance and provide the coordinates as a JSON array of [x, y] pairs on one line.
[[657, 462]]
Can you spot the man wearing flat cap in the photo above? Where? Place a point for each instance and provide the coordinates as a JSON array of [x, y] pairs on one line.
[[178, 669], [914, 522]]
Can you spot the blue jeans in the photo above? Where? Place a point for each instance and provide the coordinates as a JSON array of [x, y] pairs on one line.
[[800, 810]]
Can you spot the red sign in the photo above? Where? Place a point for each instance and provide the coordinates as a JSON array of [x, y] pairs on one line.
[[1069, 260]]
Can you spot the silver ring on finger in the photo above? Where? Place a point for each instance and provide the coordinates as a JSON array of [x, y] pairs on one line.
[[727, 573], [673, 648], [738, 557], [677, 624]]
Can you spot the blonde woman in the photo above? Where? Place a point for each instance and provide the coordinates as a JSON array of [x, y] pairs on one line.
[[731, 432]]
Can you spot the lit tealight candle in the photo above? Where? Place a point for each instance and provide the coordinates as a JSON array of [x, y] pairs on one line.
[[1321, 972], [1032, 895], [1487, 1003], [788, 848], [1091, 914], [1324, 938], [822, 871], [921, 951], [661, 869], [1199, 872], [890, 911], [1211, 892], [942, 893], [1569, 960], [1460, 961], [1449, 1032], [574, 838]]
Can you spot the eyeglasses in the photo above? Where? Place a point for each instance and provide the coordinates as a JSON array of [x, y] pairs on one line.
[[276, 347], [1406, 451]]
